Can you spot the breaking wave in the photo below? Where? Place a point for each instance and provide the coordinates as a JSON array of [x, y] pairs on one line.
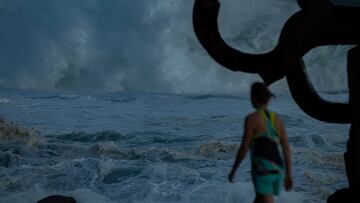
[[141, 45]]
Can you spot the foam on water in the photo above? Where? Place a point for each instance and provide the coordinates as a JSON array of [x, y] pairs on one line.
[[152, 148], [4, 100], [223, 193]]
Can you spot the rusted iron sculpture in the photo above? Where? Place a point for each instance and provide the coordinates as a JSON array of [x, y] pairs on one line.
[[318, 23]]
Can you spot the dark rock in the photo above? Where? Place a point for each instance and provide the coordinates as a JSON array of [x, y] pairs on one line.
[[352, 155], [57, 199], [342, 196]]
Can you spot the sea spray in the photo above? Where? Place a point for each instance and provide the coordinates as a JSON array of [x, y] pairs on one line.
[[70, 44]]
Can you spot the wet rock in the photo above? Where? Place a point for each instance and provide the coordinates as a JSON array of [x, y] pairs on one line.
[[57, 199], [318, 140]]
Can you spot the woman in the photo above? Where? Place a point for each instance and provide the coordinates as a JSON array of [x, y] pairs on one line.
[[263, 132]]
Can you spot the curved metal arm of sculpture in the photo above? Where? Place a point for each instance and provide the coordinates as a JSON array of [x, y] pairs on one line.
[[206, 28], [310, 102], [319, 23]]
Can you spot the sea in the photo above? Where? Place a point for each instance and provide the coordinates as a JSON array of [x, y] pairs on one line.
[[117, 101], [153, 147]]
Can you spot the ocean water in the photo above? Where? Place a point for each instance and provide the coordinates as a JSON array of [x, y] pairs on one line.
[[117, 143], [143, 147]]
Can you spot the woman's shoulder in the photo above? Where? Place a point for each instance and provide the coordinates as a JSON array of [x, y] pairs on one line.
[[252, 117]]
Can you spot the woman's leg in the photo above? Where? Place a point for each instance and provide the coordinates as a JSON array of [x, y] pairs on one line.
[[264, 199]]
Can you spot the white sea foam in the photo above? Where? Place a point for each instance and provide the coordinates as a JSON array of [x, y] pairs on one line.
[[233, 193], [221, 150], [161, 148], [4, 100]]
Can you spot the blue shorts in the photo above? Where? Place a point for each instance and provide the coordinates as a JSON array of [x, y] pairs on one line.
[[268, 184]]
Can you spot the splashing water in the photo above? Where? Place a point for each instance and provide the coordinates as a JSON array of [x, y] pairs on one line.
[[141, 45], [137, 147]]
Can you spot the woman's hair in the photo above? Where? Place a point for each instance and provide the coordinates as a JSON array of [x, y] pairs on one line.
[[260, 92]]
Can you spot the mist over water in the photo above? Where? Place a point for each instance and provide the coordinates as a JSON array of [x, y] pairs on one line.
[[141, 45]]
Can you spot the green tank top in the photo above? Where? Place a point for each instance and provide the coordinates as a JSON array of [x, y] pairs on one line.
[[265, 156]]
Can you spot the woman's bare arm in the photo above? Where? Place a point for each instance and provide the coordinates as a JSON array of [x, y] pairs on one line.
[[244, 147], [286, 152]]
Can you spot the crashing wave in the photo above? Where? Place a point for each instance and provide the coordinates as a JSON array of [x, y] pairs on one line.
[[12, 132], [73, 47]]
